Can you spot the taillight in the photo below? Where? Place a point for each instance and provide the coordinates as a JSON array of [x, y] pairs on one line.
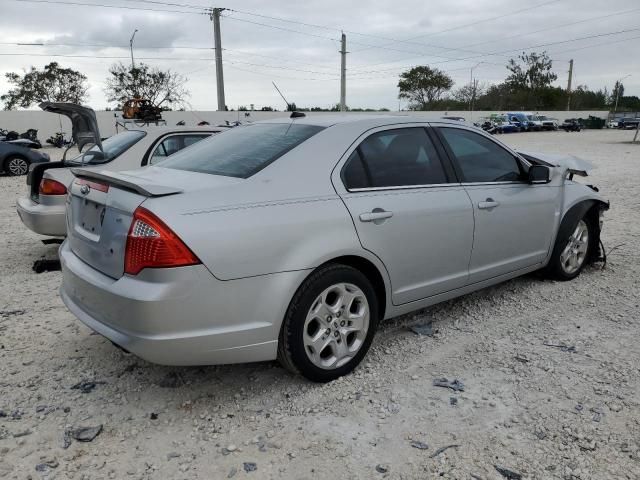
[[51, 187], [151, 244]]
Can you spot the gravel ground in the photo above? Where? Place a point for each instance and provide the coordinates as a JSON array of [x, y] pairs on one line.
[[539, 411]]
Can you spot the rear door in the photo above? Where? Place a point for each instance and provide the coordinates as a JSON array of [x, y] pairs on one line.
[[409, 210], [514, 221]]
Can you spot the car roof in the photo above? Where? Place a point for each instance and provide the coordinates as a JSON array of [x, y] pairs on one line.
[[178, 128], [370, 121]]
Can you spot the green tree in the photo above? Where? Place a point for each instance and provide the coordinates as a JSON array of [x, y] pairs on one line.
[[163, 88], [423, 86], [531, 71], [51, 84]]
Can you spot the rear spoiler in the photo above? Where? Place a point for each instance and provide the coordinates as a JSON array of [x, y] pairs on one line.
[[127, 182], [84, 124]]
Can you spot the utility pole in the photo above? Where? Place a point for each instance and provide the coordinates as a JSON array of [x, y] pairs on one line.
[[214, 14], [473, 85], [569, 85], [473, 96], [343, 73], [131, 47], [619, 85]]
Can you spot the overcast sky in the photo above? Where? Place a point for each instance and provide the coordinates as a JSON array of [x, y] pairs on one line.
[[383, 38]]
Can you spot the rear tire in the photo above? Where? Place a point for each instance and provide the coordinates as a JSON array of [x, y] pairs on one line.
[[572, 251], [330, 324], [15, 166]]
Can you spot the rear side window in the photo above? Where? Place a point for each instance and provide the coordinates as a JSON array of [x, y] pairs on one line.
[[173, 144], [480, 159], [394, 158], [241, 151]]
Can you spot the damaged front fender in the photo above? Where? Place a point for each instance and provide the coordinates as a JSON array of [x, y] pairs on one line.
[[569, 163]]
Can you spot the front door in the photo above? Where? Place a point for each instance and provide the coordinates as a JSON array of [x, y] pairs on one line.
[[514, 221], [408, 210]]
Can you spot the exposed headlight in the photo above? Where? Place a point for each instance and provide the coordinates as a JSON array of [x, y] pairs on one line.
[[601, 218]]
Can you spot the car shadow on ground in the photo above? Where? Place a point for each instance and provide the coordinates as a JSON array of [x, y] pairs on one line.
[[230, 380]]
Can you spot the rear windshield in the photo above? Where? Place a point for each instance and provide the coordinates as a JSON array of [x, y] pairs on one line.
[[111, 148], [241, 151]]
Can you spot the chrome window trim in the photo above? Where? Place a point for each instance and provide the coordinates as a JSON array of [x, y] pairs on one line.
[[403, 187], [510, 182]]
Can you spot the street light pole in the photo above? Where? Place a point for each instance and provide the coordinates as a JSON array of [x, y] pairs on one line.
[[131, 47], [473, 89], [615, 109]]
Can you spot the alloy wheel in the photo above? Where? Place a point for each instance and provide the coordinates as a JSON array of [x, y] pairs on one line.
[[336, 326], [17, 166], [575, 253]]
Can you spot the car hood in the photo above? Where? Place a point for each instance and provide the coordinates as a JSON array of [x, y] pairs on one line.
[[573, 164], [84, 123]]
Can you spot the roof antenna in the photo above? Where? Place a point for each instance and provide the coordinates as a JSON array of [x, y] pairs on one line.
[[294, 114]]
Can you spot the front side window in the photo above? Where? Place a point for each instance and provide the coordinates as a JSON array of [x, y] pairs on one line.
[[479, 158], [394, 158], [112, 147], [241, 151]]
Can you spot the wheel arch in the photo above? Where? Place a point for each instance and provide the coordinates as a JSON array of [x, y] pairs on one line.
[[589, 208], [371, 271]]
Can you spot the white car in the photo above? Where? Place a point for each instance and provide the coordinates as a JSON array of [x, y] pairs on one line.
[[43, 209]]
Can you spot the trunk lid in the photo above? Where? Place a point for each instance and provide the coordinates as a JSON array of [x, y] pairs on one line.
[[84, 123], [101, 205], [84, 131]]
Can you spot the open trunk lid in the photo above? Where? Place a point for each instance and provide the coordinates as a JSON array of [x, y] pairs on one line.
[[84, 132], [84, 124]]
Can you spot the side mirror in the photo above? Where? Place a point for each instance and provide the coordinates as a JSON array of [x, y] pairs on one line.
[[539, 174]]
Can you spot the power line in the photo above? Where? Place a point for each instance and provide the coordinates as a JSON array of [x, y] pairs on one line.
[[518, 49], [600, 17], [103, 45], [104, 5], [477, 22], [590, 19]]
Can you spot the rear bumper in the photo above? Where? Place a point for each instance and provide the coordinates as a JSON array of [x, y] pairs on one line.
[[42, 219], [180, 316]]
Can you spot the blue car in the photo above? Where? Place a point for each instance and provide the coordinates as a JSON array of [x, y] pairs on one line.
[[520, 120]]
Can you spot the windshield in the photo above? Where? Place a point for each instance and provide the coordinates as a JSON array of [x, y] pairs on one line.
[[242, 151], [112, 147]]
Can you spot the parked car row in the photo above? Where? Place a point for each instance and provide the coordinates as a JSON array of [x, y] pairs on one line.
[[625, 123], [293, 238], [517, 122]]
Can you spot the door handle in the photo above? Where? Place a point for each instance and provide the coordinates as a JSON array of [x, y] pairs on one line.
[[488, 204], [375, 215]]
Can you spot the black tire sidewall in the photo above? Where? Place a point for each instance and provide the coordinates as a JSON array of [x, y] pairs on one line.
[[555, 264], [8, 160], [298, 312]]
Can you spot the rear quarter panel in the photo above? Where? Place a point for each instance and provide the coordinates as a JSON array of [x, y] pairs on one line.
[[259, 239]]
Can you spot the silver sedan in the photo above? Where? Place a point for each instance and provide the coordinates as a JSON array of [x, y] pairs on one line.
[[292, 239]]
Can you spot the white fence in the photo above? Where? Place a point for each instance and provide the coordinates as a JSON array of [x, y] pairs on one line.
[[48, 124]]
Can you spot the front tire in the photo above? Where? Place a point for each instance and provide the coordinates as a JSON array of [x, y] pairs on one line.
[[330, 324], [572, 252], [16, 166]]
